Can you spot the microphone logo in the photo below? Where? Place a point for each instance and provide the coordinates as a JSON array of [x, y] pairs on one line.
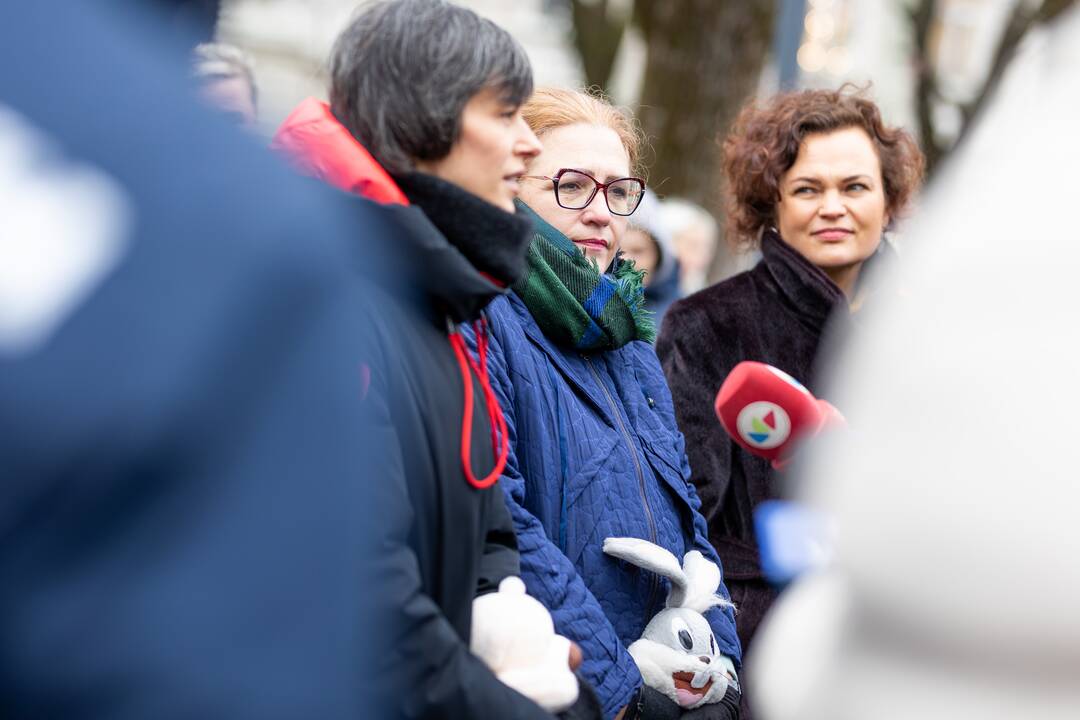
[[763, 424]]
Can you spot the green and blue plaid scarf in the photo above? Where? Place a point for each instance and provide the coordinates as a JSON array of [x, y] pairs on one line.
[[573, 302]]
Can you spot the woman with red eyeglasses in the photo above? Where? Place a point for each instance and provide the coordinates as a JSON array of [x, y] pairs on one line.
[[594, 448]]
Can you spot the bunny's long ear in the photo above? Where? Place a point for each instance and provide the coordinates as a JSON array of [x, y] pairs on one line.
[[646, 555], [703, 580]]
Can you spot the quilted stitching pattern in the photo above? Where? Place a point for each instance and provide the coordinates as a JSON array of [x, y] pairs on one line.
[[601, 603]]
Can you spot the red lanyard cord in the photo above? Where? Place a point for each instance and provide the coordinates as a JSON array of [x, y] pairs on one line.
[[500, 441]]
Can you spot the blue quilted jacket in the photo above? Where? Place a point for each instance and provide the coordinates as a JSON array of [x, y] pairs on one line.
[[595, 453]]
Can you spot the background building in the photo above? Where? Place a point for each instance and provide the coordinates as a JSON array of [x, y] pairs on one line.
[[291, 39]]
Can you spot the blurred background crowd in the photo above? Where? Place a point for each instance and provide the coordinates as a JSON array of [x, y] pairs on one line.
[[931, 64]]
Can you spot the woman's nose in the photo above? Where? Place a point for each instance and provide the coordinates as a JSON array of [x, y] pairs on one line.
[[597, 210], [831, 205], [528, 145]]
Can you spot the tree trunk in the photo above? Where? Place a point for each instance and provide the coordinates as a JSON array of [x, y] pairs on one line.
[[704, 61], [922, 18], [597, 35]]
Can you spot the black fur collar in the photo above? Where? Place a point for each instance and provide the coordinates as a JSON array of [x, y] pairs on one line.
[[494, 241]]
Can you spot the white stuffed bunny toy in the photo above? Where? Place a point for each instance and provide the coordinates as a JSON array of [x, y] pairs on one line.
[[514, 635], [677, 654]]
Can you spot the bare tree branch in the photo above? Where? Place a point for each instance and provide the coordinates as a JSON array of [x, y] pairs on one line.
[[922, 16], [1024, 17]]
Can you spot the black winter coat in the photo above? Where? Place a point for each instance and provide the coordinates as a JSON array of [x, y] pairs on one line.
[[774, 313], [442, 540]]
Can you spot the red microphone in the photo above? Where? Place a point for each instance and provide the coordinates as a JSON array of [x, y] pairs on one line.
[[767, 411]]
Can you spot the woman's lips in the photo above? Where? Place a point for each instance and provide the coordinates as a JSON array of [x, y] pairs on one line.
[[833, 234], [592, 243]]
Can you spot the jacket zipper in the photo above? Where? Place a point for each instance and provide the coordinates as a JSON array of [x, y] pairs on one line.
[[654, 581]]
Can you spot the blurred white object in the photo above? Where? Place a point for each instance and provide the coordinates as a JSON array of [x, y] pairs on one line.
[[677, 653], [514, 635], [63, 229], [957, 577]]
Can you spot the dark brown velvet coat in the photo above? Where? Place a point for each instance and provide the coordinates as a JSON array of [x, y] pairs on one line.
[[775, 313]]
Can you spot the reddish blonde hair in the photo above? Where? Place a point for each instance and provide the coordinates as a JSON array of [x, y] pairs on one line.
[[551, 107]]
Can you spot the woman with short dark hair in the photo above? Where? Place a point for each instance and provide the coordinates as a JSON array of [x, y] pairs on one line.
[[403, 73], [813, 178], [425, 116]]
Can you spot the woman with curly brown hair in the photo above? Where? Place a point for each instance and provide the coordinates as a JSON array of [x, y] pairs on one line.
[[813, 179]]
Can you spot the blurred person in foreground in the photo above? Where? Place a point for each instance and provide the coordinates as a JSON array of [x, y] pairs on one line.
[[183, 449], [835, 178], [188, 22], [226, 79], [955, 581], [647, 243], [430, 126], [594, 449]]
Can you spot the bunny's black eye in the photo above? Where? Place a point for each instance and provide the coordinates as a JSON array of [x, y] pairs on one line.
[[686, 640], [712, 644]]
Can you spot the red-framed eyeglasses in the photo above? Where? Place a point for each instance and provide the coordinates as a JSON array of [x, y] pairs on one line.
[[575, 189]]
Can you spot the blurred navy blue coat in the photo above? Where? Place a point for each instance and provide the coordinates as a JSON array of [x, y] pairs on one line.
[[180, 511]]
